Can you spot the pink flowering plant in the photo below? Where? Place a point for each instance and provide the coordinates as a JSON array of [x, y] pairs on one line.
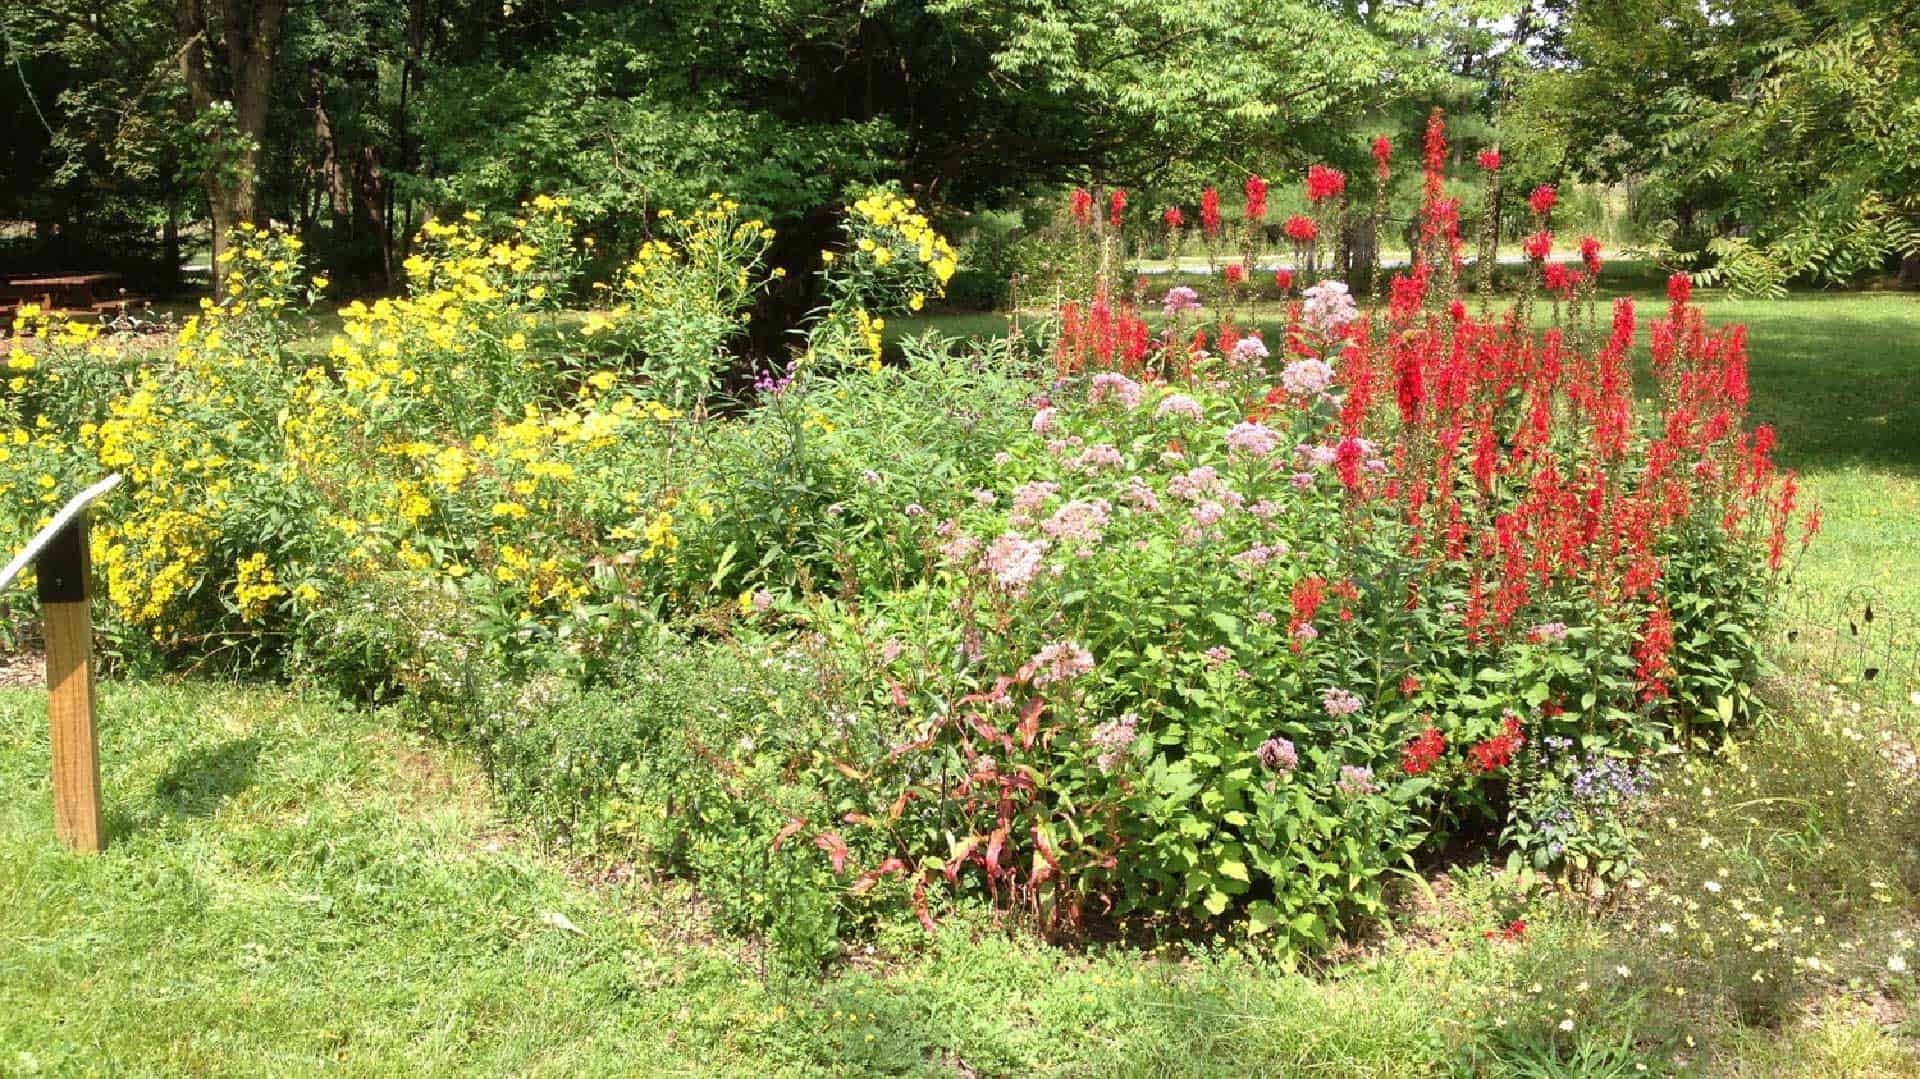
[[1111, 707]]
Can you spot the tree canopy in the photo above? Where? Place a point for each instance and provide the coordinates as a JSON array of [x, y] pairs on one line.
[[1768, 139]]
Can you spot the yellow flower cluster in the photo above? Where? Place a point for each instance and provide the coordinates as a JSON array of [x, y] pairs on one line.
[[887, 226], [255, 587], [449, 438], [869, 329], [262, 272]]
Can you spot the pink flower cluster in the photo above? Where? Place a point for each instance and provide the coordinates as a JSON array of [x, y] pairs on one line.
[[1278, 755], [1355, 781], [1014, 561], [1196, 483], [1179, 404], [1113, 738], [1078, 522], [1340, 702], [1114, 386], [1307, 378], [1180, 298], [1329, 307], [1061, 661], [1252, 440]]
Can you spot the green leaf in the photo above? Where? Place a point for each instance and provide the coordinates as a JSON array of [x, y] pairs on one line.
[[1236, 869], [1262, 916]]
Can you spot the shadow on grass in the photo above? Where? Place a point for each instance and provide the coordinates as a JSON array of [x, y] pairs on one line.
[[196, 784]]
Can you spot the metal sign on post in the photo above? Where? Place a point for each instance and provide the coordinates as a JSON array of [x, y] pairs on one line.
[[59, 555]]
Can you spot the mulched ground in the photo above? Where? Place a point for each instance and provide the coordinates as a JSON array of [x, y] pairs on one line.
[[29, 669]]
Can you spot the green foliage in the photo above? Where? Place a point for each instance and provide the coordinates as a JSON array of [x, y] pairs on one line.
[[1777, 142]]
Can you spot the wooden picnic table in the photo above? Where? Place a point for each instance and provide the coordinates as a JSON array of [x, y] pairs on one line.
[[63, 292]]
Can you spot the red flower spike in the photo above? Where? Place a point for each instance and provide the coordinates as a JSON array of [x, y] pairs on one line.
[[1210, 212], [1081, 206], [1256, 198], [1324, 183]]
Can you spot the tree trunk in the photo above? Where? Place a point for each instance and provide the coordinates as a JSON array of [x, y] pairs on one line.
[[333, 173], [170, 242], [251, 34], [1910, 270], [1362, 240]]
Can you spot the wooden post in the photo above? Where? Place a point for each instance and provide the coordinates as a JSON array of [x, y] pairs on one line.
[[66, 586]]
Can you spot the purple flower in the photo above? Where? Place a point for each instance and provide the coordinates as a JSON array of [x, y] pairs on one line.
[[1315, 456], [1207, 514], [1278, 755], [1355, 781], [1043, 421], [1113, 386], [1180, 298], [1339, 702]]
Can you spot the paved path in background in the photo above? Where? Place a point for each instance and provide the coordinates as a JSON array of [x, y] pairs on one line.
[[1199, 266]]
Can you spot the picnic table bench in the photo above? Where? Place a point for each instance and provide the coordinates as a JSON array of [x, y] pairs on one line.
[[71, 293]]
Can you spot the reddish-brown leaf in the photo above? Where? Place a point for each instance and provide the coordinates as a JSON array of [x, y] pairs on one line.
[[961, 851], [995, 845], [920, 904], [872, 876], [836, 849], [1030, 721], [793, 825]]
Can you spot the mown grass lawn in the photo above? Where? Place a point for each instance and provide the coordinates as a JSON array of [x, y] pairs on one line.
[[295, 887]]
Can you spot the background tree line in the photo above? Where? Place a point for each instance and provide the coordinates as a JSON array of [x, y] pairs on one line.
[[1767, 139]]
